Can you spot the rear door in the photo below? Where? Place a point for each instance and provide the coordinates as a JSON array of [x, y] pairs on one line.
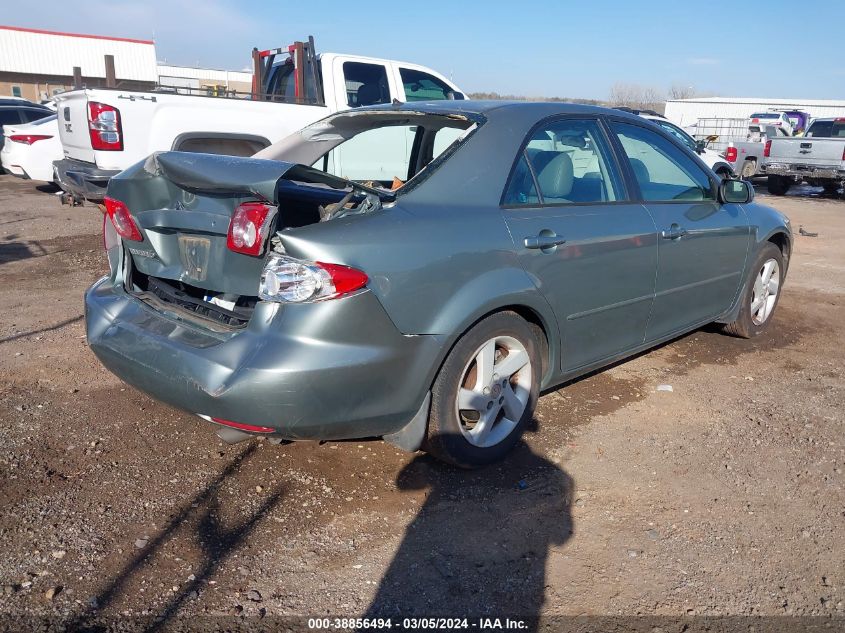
[[702, 245], [591, 250]]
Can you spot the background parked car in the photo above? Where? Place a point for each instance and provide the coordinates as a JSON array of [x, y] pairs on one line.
[[14, 110], [30, 149], [713, 159]]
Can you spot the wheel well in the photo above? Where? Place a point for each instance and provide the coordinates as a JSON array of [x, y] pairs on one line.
[[781, 240], [539, 330]]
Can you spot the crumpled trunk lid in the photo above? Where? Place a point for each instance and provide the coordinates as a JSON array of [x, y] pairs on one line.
[[182, 203]]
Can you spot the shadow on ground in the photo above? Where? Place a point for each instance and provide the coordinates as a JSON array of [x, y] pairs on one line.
[[479, 544]]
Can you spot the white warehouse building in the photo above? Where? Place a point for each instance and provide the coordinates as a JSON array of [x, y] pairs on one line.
[[687, 112]]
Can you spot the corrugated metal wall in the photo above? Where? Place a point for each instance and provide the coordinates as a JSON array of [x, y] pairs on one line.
[[209, 74], [688, 112], [41, 53]]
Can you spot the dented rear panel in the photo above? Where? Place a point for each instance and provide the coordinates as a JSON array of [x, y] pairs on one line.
[[183, 203]]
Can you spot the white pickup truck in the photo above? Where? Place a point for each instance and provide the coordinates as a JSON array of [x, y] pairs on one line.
[[105, 130], [818, 158]]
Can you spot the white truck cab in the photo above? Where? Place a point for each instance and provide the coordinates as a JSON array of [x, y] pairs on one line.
[[105, 130]]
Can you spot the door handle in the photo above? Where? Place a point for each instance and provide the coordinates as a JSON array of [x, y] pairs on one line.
[[674, 232], [544, 241]]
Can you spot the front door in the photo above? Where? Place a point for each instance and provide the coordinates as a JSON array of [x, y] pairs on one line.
[[702, 245], [591, 252]]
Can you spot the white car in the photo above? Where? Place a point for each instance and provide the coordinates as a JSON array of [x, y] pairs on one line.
[[713, 159], [776, 119], [30, 148]]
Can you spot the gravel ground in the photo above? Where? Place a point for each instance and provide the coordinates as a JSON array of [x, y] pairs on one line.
[[723, 497]]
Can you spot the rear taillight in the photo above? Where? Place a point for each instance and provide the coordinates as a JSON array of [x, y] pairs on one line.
[[249, 227], [767, 150], [29, 139], [289, 280], [731, 154], [122, 220], [843, 154], [104, 127]]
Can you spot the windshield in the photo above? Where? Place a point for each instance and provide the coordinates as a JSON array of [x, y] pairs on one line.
[[765, 115]]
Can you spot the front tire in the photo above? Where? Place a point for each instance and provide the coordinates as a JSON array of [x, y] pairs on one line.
[[760, 295], [485, 392], [778, 185]]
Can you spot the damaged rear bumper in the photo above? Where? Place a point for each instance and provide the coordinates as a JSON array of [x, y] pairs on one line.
[[327, 370], [82, 179]]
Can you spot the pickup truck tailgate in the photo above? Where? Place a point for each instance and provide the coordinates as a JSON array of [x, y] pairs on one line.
[[73, 125], [807, 151]]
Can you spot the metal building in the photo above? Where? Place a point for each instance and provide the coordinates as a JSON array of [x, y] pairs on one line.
[[191, 80], [36, 64], [687, 112]]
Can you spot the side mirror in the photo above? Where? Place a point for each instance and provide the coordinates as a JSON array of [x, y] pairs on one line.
[[700, 146], [736, 191]]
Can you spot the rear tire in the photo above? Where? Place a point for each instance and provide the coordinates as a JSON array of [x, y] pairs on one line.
[[778, 185], [749, 168], [760, 295], [485, 392]]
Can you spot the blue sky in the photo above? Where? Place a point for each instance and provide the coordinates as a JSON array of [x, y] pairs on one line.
[[565, 48]]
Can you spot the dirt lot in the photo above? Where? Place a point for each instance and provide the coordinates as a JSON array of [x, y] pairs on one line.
[[725, 496]]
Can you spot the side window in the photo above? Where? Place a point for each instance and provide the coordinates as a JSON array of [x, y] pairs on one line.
[[677, 133], [570, 163], [663, 171], [9, 117], [366, 84], [420, 86], [34, 115], [521, 189]]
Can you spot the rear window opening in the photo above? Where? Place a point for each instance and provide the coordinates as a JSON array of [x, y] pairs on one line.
[[387, 151], [212, 308]]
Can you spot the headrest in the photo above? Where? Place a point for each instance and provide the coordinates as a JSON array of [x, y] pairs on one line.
[[640, 170], [555, 178], [368, 94]]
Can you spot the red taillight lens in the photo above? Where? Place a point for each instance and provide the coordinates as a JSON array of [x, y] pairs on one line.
[[344, 278], [122, 220], [244, 427], [28, 139], [104, 127], [249, 227], [843, 154], [767, 150], [731, 154]]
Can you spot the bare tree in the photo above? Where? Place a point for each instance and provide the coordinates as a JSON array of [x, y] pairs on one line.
[[682, 91], [636, 96]]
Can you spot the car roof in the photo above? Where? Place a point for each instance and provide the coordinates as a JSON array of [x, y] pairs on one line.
[[20, 103], [539, 109]]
